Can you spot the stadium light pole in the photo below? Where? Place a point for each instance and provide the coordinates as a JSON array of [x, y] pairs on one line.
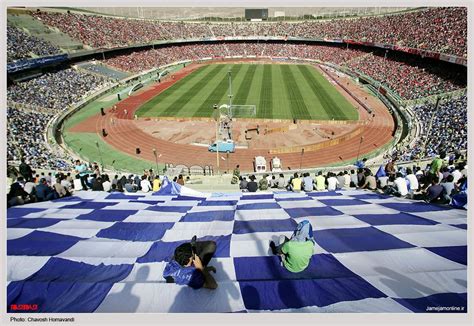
[[216, 117], [100, 155], [360, 144], [301, 159], [156, 159]]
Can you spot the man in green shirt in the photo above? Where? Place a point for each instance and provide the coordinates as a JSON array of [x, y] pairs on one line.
[[296, 252], [437, 164]]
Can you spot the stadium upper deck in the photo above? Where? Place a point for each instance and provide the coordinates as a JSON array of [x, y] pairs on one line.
[[442, 30]]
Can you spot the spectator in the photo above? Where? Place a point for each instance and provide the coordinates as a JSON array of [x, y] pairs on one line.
[[156, 183], [401, 185], [347, 180], [295, 183], [320, 181], [252, 186], [59, 188], [25, 170], [17, 194], [113, 188], [281, 181], [308, 182], [412, 181], [341, 180], [44, 192], [81, 169], [354, 179], [106, 184], [145, 184], [97, 184], [180, 180], [243, 183], [435, 192], [263, 183], [332, 182], [370, 181]]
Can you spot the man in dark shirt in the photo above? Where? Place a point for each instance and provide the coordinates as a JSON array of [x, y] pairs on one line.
[[45, 192], [435, 192], [189, 265], [17, 194], [252, 186], [97, 184], [25, 170]]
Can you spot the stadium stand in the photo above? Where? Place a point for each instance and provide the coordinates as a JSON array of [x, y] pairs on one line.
[[49, 34], [25, 138], [443, 30], [448, 131], [20, 45], [43, 97], [56, 90]]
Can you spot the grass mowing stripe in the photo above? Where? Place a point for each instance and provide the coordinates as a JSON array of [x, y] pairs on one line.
[[217, 93], [329, 105], [177, 105], [242, 94], [281, 102], [152, 103], [265, 106], [298, 106]]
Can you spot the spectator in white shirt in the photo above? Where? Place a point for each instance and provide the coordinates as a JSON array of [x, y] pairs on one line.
[[457, 174], [413, 180], [401, 185], [145, 184], [106, 184], [77, 183], [66, 184], [347, 180], [332, 182]]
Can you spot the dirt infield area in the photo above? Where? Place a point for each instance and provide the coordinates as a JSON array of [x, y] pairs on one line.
[[325, 142]]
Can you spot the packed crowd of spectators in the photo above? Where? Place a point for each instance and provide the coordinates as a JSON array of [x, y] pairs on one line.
[[32, 104], [25, 138], [448, 131], [442, 29], [409, 78], [20, 45], [56, 90]]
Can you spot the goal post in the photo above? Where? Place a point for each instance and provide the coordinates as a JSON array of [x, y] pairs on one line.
[[243, 111]]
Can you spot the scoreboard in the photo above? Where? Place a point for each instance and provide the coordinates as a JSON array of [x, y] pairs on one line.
[[256, 14]]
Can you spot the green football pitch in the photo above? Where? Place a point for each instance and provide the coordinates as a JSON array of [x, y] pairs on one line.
[[279, 91]]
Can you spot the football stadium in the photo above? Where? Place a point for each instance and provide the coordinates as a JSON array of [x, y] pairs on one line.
[[216, 160]]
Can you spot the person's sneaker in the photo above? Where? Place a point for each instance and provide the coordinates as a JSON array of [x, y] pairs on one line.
[[273, 247]]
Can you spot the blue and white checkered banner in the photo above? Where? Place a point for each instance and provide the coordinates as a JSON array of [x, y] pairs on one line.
[[100, 252]]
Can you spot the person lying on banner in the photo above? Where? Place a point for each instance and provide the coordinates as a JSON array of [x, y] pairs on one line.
[[189, 267]]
